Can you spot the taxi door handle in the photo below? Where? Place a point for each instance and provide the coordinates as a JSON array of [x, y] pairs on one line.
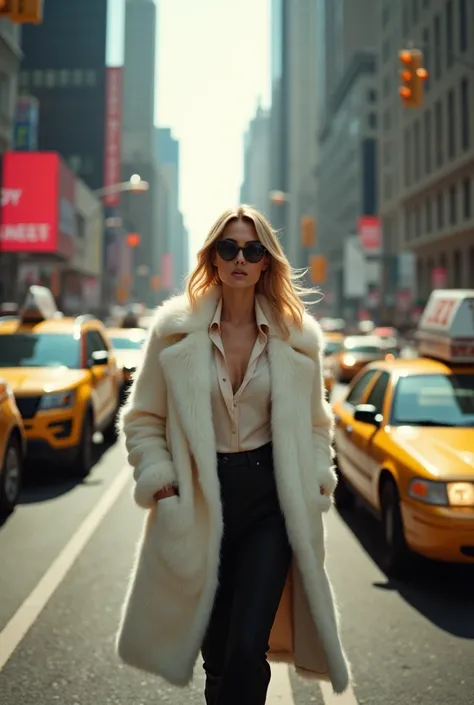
[[349, 430]]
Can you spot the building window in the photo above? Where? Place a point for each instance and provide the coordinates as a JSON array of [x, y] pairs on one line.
[[415, 11], [457, 269], [386, 50], [90, 78], [386, 86], [385, 15], [466, 198], [452, 205], [38, 79], [427, 56], [449, 33], [451, 125], [428, 216], [417, 221], [428, 152], [75, 162], [437, 47], [463, 26], [372, 120], [438, 128], [50, 79], [440, 211], [465, 136], [408, 156], [77, 78], [417, 149], [64, 78], [387, 121]]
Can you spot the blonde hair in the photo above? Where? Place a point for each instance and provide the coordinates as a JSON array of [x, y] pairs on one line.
[[278, 284]]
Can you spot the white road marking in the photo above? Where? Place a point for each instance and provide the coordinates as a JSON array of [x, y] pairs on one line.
[[347, 698], [31, 608], [280, 691]]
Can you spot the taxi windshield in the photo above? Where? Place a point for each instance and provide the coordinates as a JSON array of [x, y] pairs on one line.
[[127, 343], [332, 347], [39, 350], [355, 348], [435, 400]]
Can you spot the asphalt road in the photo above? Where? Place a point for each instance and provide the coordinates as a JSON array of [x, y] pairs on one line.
[[64, 558]]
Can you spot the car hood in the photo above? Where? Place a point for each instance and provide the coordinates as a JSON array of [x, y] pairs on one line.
[[444, 452], [41, 380]]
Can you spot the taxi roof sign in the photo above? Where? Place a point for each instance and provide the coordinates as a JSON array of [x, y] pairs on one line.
[[39, 305], [446, 327]]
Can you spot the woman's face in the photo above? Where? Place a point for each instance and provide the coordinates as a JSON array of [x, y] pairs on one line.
[[240, 258]]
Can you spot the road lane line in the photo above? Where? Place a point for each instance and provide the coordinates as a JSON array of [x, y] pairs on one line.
[[279, 690], [30, 609], [347, 698]]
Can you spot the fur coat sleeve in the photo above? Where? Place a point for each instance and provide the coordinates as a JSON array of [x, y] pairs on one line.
[[143, 425], [323, 433]]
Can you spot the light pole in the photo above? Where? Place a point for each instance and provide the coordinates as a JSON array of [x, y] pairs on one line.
[[135, 184]]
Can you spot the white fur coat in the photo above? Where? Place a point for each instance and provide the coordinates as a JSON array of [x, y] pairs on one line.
[[167, 424]]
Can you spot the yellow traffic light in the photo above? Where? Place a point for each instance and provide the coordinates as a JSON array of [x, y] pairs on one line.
[[23, 11], [6, 7], [318, 269], [413, 74], [308, 231]]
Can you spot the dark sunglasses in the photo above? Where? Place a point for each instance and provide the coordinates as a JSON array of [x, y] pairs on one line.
[[228, 250]]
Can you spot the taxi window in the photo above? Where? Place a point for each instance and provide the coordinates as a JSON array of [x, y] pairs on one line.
[[127, 343], [377, 393], [357, 392], [434, 400], [39, 350]]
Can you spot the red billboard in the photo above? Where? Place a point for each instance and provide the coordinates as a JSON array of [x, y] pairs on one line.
[[369, 230], [29, 213], [113, 132]]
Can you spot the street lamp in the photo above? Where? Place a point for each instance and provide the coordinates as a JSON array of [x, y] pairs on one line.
[[135, 184]]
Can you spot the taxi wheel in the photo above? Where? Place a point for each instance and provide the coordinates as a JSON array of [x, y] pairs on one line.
[[83, 462], [10, 478], [396, 555]]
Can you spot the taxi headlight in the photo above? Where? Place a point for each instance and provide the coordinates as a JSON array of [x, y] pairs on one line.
[[429, 492], [348, 360], [443, 494], [461, 494], [61, 400]]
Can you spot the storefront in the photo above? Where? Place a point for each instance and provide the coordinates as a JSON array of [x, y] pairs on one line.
[[50, 229]]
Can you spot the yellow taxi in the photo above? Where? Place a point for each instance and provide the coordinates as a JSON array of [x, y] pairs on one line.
[[334, 343], [65, 379], [357, 352], [404, 439], [127, 344], [12, 450]]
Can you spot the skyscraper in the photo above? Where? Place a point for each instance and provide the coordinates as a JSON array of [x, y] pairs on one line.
[[138, 141]]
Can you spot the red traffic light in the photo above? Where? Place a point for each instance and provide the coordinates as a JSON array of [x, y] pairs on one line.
[[133, 239]]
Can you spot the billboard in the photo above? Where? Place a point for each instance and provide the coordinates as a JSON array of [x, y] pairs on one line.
[[25, 134], [369, 230], [113, 132], [30, 214]]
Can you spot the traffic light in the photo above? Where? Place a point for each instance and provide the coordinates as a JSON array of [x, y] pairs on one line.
[[308, 231], [318, 269], [413, 74], [22, 11], [133, 239]]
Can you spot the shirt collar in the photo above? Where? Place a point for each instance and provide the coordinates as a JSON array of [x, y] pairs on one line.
[[262, 322]]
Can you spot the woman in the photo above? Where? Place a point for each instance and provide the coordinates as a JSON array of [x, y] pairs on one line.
[[229, 434]]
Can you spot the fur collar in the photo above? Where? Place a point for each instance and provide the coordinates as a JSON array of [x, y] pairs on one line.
[[175, 317]]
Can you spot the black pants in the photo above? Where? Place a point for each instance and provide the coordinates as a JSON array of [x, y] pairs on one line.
[[255, 558]]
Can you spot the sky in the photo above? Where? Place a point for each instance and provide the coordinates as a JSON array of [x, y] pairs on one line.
[[213, 66]]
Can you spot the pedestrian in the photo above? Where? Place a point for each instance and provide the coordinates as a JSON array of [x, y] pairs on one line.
[[229, 435]]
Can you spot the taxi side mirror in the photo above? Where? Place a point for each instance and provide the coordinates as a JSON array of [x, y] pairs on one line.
[[99, 357], [367, 413]]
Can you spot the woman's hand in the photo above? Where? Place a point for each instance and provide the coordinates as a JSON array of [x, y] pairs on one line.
[[167, 491]]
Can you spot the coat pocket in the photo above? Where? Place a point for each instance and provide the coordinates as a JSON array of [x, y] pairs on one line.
[[177, 546]]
